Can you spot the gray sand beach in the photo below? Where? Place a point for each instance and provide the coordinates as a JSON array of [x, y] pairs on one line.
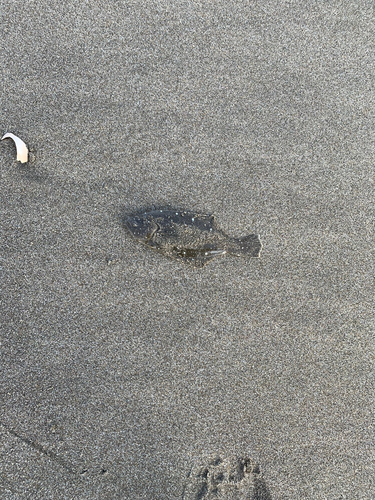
[[129, 375]]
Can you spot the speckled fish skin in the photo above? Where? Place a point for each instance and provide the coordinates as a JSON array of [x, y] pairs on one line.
[[188, 236]]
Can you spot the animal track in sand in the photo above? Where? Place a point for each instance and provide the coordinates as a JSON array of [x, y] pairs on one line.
[[232, 478]]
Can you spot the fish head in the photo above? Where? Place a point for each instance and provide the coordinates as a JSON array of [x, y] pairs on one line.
[[142, 227]]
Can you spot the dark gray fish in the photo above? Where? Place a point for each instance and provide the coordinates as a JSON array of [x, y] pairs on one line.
[[188, 236]]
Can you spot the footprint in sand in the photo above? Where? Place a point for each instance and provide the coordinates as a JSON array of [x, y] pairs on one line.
[[233, 478]]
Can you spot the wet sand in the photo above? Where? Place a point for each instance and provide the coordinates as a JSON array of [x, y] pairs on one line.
[[122, 371]]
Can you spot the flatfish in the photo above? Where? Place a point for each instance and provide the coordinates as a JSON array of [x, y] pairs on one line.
[[190, 237]]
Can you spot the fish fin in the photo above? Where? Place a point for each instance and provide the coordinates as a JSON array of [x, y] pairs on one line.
[[248, 245], [196, 258], [214, 253], [204, 222]]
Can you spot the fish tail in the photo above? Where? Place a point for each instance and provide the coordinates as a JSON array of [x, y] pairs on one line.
[[248, 245]]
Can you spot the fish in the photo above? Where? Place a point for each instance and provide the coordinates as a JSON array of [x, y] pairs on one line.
[[190, 237]]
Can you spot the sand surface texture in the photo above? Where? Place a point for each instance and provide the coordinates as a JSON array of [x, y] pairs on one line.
[[124, 372]]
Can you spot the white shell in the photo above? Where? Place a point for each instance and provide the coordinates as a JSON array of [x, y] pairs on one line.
[[22, 151]]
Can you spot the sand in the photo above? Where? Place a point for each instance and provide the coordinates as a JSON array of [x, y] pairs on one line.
[[123, 371]]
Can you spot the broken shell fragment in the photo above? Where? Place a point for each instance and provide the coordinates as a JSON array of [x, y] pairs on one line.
[[22, 151]]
